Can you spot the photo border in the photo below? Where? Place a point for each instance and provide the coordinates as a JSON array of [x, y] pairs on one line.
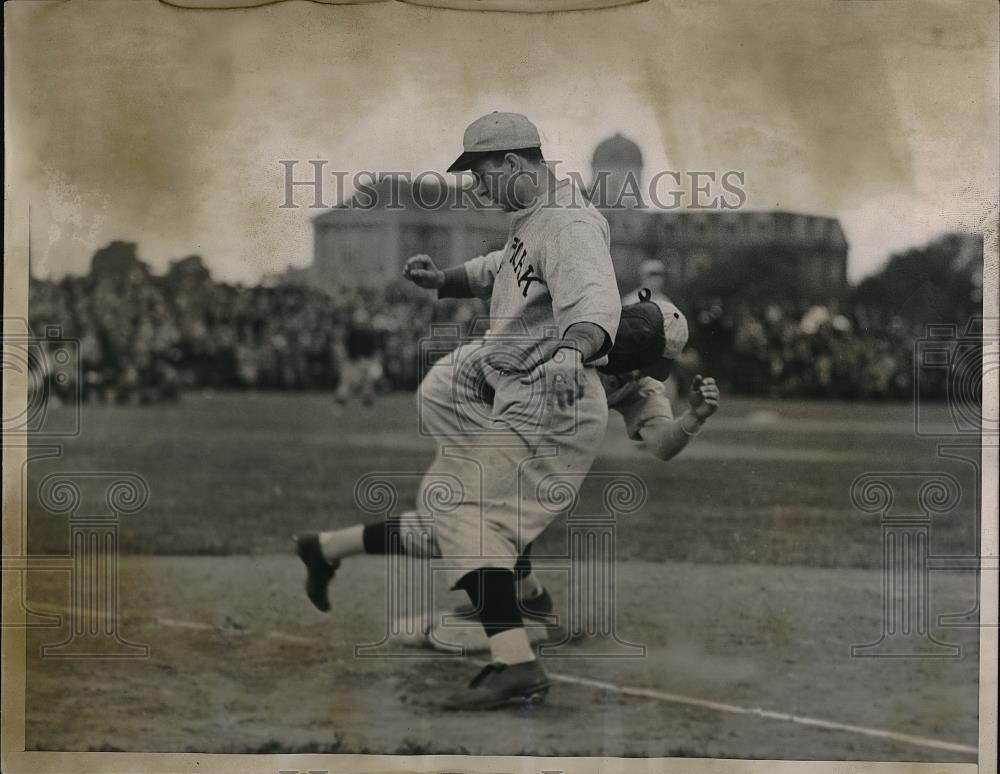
[[12, 732]]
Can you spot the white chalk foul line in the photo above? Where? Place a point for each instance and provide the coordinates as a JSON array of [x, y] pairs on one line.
[[650, 693], [830, 725]]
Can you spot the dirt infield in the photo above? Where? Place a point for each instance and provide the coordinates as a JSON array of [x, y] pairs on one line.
[[747, 575], [239, 662]]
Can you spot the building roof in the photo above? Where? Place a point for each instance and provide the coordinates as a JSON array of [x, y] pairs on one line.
[[397, 195], [617, 151]]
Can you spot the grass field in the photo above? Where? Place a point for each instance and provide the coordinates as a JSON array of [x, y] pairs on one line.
[[766, 481], [747, 576]]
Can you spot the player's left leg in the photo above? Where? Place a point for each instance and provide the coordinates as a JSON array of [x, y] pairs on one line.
[[518, 483], [346, 385], [514, 676], [533, 598]]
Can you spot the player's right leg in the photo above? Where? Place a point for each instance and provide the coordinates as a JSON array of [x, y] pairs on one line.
[[322, 552], [525, 480], [319, 569], [441, 418], [371, 372]]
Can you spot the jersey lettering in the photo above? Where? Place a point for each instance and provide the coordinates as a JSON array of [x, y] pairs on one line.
[[526, 278], [517, 253], [525, 275]]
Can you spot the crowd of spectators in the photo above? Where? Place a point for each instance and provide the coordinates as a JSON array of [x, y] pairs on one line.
[[146, 338], [804, 350]]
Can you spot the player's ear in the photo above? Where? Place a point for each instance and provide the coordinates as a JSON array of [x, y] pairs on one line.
[[512, 162]]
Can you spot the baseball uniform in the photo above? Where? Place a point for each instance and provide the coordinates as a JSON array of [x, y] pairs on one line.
[[509, 458]]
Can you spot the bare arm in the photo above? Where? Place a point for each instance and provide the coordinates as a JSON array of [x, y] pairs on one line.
[[665, 437]]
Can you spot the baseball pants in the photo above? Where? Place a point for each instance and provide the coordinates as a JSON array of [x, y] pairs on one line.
[[509, 460]]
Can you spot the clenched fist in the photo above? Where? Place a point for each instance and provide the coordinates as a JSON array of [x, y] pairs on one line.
[[704, 397], [420, 270]]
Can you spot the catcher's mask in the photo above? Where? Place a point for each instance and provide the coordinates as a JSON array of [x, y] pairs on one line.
[[651, 335]]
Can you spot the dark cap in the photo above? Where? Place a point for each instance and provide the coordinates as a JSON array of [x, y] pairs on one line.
[[651, 335]]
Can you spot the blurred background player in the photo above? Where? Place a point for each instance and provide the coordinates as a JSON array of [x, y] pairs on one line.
[[362, 360], [653, 277]]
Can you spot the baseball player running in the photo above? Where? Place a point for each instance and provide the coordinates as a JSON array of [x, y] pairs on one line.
[[651, 336], [518, 416]]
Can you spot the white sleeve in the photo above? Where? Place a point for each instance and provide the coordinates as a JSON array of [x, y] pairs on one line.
[[482, 271], [665, 438], [581, 279], [650, 402]]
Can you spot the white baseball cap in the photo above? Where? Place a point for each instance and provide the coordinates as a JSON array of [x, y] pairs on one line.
[[494, 132], [675, 338], [675, 329]]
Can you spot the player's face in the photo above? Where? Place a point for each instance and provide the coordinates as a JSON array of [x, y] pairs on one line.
[[496, 182], [487, 175]]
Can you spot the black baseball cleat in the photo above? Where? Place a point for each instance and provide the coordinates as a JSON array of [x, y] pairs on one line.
[[501, 685], [539, 607], [319, 572]]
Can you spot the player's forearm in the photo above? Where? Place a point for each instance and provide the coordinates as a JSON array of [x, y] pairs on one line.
[[588, 338], [455, 283], [666, 438]]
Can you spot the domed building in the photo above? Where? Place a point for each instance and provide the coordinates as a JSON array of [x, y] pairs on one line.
[[692, 243], [369, 243], [616, 173]]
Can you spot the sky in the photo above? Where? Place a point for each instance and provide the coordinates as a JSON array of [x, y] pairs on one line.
[[163, 126]]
